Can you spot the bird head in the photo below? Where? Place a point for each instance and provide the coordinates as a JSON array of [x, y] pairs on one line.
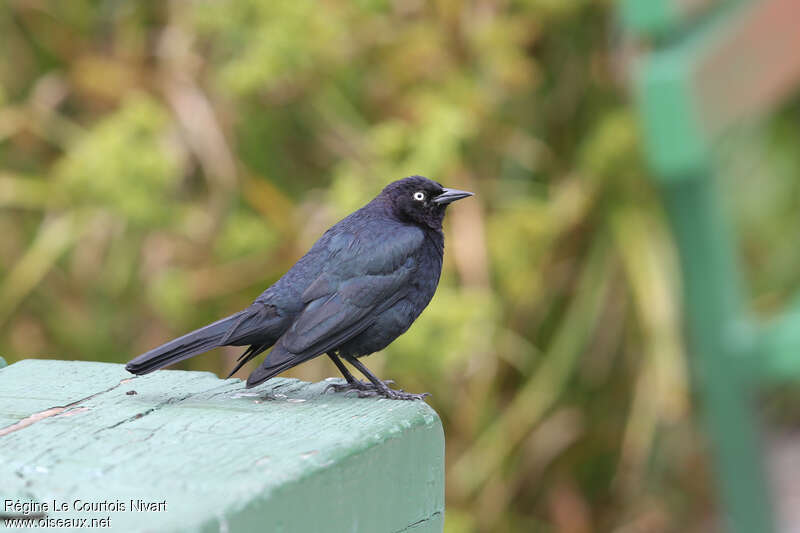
[[420, 200]]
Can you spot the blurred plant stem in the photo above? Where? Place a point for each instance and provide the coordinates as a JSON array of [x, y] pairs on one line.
[[536, 397], [661, 395], [24, 192], [55, 235]]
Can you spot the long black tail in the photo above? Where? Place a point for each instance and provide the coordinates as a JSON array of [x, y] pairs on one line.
[[191, 344]]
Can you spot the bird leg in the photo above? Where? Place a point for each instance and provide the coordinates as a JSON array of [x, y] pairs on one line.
[[343, 369], [378, 387], [352, 382]]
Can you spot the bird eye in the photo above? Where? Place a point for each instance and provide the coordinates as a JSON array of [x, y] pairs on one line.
[[419, 196]]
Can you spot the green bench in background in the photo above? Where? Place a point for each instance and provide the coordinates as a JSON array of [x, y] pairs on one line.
[[704, 65], [186, 451]]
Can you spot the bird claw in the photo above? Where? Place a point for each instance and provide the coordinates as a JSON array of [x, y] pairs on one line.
[[392, 394], [367, 389], [356, 385]]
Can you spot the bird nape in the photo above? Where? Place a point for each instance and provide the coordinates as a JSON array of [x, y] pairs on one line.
[[358, 288]]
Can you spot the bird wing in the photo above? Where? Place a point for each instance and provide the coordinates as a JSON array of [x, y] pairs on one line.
[[353, 289], [360, 281], [334, 318]]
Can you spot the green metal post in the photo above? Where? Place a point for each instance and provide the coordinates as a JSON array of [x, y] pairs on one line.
[[695, 54], [722, 355]]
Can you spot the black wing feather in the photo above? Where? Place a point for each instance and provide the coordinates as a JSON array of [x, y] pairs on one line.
[[340, 304]]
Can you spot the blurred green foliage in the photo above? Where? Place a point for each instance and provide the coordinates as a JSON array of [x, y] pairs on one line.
[[161, 163]]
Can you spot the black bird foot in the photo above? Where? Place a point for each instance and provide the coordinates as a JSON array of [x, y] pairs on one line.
[[392, 394], [368, 389], [361, 386]]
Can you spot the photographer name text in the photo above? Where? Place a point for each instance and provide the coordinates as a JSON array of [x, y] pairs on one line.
[[26, 508]]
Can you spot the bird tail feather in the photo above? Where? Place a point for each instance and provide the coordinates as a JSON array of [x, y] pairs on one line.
[[191, 344], [276, 362]]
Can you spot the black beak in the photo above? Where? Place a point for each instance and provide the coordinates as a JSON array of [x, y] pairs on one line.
[[451, 195]]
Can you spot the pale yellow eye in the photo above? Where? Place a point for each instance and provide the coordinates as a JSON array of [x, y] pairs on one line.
[[419, 196]]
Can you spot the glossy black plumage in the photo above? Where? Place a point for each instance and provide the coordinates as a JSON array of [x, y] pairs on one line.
[[359, 287]]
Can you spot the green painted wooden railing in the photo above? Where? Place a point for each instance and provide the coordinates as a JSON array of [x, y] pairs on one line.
[[186, 451], [704, 66]]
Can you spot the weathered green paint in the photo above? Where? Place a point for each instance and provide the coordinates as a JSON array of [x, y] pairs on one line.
[[697, 81], [779, 347], [675, 141], [677, 136], [283, 457], [723, 347], [656, 17], [648, 16], [736, 65]]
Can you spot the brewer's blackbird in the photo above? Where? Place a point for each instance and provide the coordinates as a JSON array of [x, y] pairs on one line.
[[358, 288]]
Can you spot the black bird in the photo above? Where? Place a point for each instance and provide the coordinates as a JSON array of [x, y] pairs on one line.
[[360, 286]]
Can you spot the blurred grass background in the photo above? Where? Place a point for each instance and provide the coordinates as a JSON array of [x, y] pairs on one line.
[[161, 163]]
